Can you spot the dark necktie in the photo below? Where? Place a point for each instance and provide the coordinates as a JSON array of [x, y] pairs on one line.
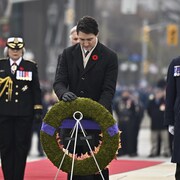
[[87, 52], [13, 68]]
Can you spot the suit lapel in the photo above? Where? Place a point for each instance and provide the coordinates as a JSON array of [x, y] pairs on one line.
[[93, 59], [77, 54]]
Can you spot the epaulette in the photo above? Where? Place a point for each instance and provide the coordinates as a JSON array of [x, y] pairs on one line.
[[30, 61], [1, 59]]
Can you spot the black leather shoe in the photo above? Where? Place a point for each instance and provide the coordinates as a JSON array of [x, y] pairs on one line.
[[152, 155]]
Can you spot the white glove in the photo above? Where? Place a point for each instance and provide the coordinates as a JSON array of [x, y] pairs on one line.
[[171, 129]]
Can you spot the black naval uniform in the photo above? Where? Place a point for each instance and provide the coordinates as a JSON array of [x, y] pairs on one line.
[[20, 102], [172, 110]]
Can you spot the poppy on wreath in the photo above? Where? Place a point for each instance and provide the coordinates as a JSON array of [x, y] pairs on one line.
[[95, 57], [21, 68]]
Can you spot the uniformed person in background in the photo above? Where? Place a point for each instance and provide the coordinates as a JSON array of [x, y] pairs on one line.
[[20, 103]]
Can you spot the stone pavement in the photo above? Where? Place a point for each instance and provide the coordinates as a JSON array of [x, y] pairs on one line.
[[164, 171]]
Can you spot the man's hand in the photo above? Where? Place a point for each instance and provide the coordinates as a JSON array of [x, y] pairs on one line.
[[171, 129], [68, 96]]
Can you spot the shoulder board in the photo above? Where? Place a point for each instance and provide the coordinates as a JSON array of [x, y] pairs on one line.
[[3, 59], [30, 61]]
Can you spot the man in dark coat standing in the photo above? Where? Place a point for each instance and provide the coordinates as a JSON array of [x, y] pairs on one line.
[[88, 69], [172, 111], [20, 103], [159, 132]]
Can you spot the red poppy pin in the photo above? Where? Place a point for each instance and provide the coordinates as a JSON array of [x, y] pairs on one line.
[[21, 68], [95, 57]]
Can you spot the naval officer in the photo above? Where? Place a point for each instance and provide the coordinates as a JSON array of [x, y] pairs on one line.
[[20, 104]]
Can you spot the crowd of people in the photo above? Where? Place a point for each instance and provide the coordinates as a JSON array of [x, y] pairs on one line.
[[131, 106]]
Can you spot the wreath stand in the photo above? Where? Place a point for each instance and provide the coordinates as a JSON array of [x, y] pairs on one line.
[[75, 130]]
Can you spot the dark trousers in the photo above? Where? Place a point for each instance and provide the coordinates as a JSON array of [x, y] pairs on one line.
[[105, 173], [177, 173], [15, 135], [36, 130]]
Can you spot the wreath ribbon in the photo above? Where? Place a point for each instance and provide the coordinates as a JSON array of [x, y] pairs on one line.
[[69, 123], [113, 130], [48, 129]]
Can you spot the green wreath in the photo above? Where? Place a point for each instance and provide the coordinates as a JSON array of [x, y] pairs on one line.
[[92, 110]]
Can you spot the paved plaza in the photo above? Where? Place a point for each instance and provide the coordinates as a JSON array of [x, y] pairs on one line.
[[164, 171]]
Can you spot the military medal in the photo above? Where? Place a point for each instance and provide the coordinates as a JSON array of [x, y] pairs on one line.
[[13, 68], [176, 70], [25, 88], [24, 75]]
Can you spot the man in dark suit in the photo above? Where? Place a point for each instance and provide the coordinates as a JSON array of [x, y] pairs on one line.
[[20, 102], [88, 69], [172, 111]]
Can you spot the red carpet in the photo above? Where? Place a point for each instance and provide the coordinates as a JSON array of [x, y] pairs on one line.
[[45, 170]]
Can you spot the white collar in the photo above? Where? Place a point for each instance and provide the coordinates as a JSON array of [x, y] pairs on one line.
[[17, 62]]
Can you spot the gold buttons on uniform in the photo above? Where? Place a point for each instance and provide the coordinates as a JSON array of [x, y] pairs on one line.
[[16, 93], [16, 100], [17, 86], [6, 100]]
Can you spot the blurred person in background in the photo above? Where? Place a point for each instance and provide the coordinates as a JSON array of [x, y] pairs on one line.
[[20, 102], [127, 111], [73, 36], [159, 132], [172, 111], [161, 83], [139, 115], [87, 69]]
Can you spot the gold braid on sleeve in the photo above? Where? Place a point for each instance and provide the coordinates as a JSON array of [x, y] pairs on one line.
[[8, 83], [38, 106]]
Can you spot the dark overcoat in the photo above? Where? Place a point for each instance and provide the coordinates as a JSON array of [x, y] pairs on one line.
[[155, 110], [96, 81], [172, 111]]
